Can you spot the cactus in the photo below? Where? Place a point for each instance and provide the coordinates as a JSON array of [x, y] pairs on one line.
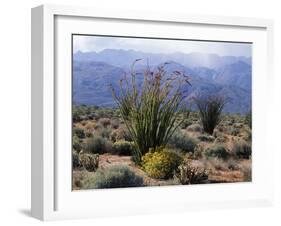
[[89, 161], [188, 174]]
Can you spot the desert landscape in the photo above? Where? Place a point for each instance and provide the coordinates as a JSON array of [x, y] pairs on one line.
[[224, 156], [158, 119]]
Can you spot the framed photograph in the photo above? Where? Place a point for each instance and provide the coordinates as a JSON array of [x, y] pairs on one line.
[[137, 112]]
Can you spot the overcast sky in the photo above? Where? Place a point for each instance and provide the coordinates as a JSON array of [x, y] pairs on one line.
[[97, 44]]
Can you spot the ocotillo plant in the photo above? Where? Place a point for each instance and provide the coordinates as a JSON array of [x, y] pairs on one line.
[[210, 110], [150, 110]]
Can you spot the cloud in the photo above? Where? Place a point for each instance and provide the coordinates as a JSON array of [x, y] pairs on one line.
[[98, 43]]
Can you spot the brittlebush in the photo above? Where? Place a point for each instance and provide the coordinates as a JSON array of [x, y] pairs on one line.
[[161, 163]]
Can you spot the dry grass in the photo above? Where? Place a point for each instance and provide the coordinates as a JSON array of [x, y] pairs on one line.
[[226, 176]]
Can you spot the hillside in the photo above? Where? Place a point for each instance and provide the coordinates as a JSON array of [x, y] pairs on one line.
[[229, 77]]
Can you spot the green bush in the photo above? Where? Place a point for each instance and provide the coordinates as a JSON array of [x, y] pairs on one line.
[[210, 110], [75, 160], [242, 149], [123, 134], [194, 128], [216, 151], [188, 174], [234, 131], [161, 163], [79, 132], [105, 122], [122, 147], [89, 161], [198, 151], [248, 119], [113, 136], [76, 144], [183, 142], [97, 144], [76, 114], [113, 177], [115, 124], [120, 134], [103, 132], [221, 139]]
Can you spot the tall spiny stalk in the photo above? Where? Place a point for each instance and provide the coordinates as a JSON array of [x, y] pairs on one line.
[[151, 111]]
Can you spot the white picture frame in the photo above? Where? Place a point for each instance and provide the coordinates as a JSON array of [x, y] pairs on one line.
[[52, 197]]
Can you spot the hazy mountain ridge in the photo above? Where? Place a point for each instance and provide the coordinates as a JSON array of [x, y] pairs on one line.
[[91, 79], [120, 58]]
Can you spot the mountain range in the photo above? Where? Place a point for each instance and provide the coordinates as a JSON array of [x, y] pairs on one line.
[[210, 74]]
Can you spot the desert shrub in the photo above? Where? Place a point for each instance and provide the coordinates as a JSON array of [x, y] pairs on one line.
[[188, 174], [83, 112], [150, 110], [234, 131], [115, 124], [185, 124], [120, 134], [246, 135], [76, 144], [90, 125], [105, 122], [214, 164], [161, 163], [79, 132], [242, 149], [229, 122], [198, 151], [122, 147], [183, 142], [206, 138], [232, 164], [221, 139], [123, 134], [75, 160], [221, 128], [113, 177], [88, 133], [89, 161], [210, 110], [103, 132], [248, 119], [194, 128], [238, 125], [220, 164], [216, 151], [76, 116], [97, 144], [113, 136], [98, 126]]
